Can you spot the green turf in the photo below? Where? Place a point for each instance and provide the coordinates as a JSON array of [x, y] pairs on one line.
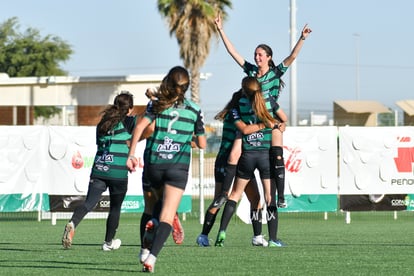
[[373, 244]]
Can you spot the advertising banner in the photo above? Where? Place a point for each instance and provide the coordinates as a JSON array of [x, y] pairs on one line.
[[311, 181], [23, 168], [310, 155], [376, 166], [47, 169]]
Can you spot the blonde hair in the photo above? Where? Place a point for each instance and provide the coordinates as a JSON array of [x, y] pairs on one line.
[[252, 89]]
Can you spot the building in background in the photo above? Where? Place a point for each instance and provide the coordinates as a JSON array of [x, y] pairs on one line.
[[358, 113], [408, 111], [80, 99]]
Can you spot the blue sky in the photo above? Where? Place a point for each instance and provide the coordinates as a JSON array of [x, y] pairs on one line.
[[129, 37]]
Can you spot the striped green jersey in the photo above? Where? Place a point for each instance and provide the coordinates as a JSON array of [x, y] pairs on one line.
[[270, 81], [170, 144], [227, 138], [112, 154], [262, 139]]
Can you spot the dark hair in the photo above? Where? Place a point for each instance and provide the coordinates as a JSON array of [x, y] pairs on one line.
[[172, 89], [268, 52], [230, 105], [271, 63], [113, 114]]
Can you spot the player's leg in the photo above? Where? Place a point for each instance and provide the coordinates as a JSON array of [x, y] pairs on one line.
[[229, 209], [171, 199], [253, 195], [95, 189], [112, 222], [277, 165], [272, 217]]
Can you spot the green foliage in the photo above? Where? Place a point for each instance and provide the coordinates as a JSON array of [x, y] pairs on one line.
[[28, 54], [192, 23], [46, 112]]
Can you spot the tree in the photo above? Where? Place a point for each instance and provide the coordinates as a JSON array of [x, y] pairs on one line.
[[192, 22], [28, 54]]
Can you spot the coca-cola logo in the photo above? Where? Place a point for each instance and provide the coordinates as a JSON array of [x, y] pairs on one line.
[[294, 159]]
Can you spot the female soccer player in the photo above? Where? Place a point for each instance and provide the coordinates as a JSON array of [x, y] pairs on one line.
[[269, 76], [177, 122], [224, 172], [113, 133], [253, 108]]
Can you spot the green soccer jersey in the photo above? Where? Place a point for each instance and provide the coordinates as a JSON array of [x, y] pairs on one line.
[[270, 81], [174, 128], [227, 138], [262, 139], [112, 153]]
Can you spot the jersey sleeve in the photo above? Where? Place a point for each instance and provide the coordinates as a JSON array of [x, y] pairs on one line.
[[234, 115], [149, 114], [249, 68], [129, 123], [280, 69], [199, 124]]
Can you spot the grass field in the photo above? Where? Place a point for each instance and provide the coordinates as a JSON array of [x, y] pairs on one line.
[[372, 244]]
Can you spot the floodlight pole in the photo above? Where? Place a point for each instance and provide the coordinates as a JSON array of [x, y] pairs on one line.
[[293, 81], [357, 36], [203, 76]]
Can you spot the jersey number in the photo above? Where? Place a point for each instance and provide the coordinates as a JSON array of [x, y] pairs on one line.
[[175, 115]]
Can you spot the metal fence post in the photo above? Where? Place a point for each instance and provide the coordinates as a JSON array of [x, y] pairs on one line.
[[201, 183]]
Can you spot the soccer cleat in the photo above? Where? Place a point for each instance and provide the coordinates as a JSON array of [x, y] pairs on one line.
[[68, 235], [221, 236], [276, 243], [113, 245], [259, 241], [202, 240], [143, 255], [281, 203], [178, 230], [149, 264], [150, 229]]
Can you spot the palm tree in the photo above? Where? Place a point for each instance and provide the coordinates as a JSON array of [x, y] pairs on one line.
[[192, 22]]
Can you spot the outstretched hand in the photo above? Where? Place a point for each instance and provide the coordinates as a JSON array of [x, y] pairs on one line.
[[218, 22], [306, 31]]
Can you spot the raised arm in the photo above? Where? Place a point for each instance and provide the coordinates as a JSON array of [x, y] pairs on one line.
[[229, 46], [295, 51]]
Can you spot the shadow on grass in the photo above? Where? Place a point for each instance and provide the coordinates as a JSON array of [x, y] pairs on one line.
[[68, 266]]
